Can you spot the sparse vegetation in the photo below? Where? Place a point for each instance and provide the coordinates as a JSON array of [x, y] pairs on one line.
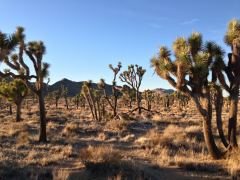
[[118, 132]]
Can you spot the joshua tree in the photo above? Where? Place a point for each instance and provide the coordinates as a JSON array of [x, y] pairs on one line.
[[34, 51], [15, 92], [65, 94], [94, 98], [148, 95], [76, 100], [57, 95], [191, 69], [232, 71], [112, 101], [133, 77], [79, 100], [167, 100], [129, 95], [180, 98]]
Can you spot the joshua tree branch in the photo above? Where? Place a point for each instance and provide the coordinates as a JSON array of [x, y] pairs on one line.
[[199, 106], [20, 58], [222, 81], [13, 66], [32, 59], [15, 76]]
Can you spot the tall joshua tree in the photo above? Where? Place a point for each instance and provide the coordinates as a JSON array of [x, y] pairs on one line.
[[115, 90], [191, 69], [33, 51], [133, 77], [232, 71], [94, 98], [15, 92], [112, 101]]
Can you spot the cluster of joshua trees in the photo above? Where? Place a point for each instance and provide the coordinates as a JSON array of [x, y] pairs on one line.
[[17, 54], [196, 70], [199, 72]]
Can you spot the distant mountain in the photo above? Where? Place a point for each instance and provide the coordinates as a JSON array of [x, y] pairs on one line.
[[73, 87], [162, 91]]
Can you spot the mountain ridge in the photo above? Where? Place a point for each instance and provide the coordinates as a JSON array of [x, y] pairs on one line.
[[74, 87]]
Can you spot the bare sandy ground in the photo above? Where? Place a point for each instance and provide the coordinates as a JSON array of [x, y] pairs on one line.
[[165, 145]]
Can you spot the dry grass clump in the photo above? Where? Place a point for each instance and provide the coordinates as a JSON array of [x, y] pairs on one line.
[[49, 156], [105, 162], [233, 163], [70, 129], [22, 139], [63, 151], [116, 125], [172, 137], [14, 129], [100, 154], [102, 136], [174, 145], [174, 134], [150, 140]]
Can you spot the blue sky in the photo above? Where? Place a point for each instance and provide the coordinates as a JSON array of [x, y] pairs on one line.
[[84, 36]]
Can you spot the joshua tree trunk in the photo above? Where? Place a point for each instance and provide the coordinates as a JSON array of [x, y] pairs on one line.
[[138, 102], [149, 106], [93, 105], [10, 109], [218, 106], [90, 106], [207, 125], [43, 133], [56, 103], [99, 111], [232, 124], [115, 106], [66, 101], [209, 139], [18, 114]]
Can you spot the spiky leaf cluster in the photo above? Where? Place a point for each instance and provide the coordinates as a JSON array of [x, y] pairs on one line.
[[193, 61], [233, 32]]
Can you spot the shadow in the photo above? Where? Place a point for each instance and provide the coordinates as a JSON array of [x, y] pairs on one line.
[[126, 170]]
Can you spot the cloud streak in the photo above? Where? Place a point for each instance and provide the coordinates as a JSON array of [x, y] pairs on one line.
[[156, 26], [192, 21]]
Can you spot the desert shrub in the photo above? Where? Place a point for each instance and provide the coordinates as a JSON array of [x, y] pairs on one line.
[[99, 154], [172, 137], [116, 125], [70, 129], [22, 139]]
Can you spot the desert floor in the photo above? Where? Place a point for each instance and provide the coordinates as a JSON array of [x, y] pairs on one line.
[[164, 145]]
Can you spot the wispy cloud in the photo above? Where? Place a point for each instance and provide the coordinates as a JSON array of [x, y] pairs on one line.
[[155, 25], [190, 21]]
